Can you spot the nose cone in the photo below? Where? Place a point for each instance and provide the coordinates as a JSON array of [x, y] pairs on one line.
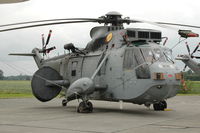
[[166, 86], [163, 67]]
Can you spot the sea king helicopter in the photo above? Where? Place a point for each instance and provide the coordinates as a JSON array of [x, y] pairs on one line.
[[189, 61], [118, 64], [11, 1]]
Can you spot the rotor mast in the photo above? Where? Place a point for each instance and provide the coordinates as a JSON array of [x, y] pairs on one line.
[[114, 19]]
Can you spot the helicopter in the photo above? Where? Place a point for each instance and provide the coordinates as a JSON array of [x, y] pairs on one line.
[[11, 1], [118, 64], [187, 59]]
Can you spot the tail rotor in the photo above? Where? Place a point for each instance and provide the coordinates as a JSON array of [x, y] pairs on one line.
[[46, 50], [191, 54]]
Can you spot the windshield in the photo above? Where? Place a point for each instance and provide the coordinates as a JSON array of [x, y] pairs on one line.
[[153, 55], [168, 55], [148, 54], [159, 56]]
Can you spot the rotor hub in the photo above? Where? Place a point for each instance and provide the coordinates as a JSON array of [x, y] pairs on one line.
[[114, 14], [113, 18]]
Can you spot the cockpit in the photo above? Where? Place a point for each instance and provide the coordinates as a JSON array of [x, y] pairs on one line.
[[156, 55], [145, 54], [139, 58]]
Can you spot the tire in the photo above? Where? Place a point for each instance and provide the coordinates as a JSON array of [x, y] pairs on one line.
[[164, 103], [85, 108], [81, 108], [161, 106], [156, 107], [64, 102], [90, 107]]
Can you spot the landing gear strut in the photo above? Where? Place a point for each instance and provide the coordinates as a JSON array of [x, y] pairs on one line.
[[85, 107], [161, 106]]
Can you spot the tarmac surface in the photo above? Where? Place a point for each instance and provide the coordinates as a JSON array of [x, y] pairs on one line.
[[31, 116]]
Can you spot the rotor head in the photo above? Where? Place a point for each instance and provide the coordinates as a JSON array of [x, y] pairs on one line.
[[113, 18]]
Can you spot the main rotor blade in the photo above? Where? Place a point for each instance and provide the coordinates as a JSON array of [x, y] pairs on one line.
[[50, 20], [153, 23], [44, 24], [184, 25], [163, 24]]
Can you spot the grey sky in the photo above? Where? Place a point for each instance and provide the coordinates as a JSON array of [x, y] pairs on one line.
[[184, 11]]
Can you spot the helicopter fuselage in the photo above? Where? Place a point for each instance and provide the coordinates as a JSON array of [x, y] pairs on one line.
[[139, 72]]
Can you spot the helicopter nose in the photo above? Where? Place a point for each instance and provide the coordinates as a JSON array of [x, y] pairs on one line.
[[165, 71]]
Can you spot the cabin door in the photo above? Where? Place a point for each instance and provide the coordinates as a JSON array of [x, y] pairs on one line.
[[75, 68]]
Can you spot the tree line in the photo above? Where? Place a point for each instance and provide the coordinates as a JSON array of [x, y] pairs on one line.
[[190, 75], [18, 77]]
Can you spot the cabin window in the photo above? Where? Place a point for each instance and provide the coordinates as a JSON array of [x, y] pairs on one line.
[[74, 66]]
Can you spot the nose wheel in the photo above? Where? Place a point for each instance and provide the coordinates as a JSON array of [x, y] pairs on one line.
[[85, 107], [161, 106]]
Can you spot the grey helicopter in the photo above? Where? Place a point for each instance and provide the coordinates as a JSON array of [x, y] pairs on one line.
[[11, 1], [188, 59], [118, 64]]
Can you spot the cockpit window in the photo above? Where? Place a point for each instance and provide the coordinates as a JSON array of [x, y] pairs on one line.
[[148, 54], [138, 56], [168, 55], [129, 61], [159, 56], [133, 58]]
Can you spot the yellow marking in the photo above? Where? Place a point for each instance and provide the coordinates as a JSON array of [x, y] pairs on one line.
[[167, 109], [109, 37]]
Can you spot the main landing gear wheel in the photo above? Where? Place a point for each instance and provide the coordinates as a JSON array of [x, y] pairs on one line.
[[161, 106], [85, 107], [64, 102]]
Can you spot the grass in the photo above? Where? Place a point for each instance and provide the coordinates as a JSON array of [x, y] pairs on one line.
[[15, 89], [193, 88], [16, 95]]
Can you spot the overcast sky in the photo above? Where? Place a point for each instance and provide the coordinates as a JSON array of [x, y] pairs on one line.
[[176, 11]]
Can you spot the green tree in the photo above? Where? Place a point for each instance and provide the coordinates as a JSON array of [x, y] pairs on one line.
[[1, 75]]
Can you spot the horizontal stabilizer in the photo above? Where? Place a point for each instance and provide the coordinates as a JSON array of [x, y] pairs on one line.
[[23, 54]]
